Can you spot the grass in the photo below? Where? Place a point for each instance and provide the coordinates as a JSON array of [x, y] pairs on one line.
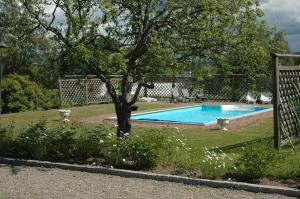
[[230, 142], [21, 120]]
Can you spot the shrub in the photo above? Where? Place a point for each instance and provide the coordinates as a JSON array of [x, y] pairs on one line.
[[19, 93], [94, 142], [34, 141], [133, 152], [62, 143], [52, 99], [164, 145], [5, 142], [254, 162], [215, 162]]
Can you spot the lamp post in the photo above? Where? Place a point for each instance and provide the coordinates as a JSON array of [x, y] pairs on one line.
[[3, 53]]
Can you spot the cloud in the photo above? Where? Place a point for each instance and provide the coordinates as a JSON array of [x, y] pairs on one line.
[[286, 16]]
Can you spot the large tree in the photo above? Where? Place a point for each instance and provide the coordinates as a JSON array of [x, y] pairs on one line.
[[132, 38], [28, 44]]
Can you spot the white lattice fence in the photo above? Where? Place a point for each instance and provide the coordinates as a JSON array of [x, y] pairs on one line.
[[83, 91], [96, 91], [216, 87], [72, 91]]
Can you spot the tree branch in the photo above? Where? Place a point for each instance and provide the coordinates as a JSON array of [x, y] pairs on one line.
[[137, 92]]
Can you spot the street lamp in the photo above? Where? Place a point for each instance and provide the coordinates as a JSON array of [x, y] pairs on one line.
[[3, 53]]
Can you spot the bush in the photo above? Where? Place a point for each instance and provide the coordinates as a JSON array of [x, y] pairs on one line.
[[5, 142], [215, 162], [94, 142], [133, 152], [253, 163], [34, 142], [62, 143], [39, 142], [19, 94], [52, 99]]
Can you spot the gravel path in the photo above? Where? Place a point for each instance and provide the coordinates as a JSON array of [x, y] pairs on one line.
[[35, 182]]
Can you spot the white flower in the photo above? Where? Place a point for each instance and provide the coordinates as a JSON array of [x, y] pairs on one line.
[[101, 141], [94, 163], [123, 160], [114, 145]]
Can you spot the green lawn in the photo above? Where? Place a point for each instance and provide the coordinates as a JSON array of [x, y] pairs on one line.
[[20, 120], [230, 142]]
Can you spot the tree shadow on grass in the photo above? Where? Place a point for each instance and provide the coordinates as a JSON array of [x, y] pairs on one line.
[[260, 141]]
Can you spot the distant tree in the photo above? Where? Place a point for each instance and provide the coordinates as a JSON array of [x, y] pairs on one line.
[[282, 46], [19, 94], [136, 39], [28, 44]]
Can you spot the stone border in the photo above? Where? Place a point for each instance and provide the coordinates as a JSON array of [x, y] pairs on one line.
[[159, 177]]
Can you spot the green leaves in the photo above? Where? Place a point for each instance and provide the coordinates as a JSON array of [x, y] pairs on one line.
[[18, 94]]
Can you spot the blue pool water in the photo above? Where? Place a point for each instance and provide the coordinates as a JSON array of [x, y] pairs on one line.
[[203, 114]]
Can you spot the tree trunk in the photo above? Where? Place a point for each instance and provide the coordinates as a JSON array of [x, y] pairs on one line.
[[123, 118]]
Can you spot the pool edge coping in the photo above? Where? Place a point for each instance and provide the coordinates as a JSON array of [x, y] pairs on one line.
[[196, 124]]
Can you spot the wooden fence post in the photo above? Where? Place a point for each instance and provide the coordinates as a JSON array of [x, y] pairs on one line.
[[86, 90], [276, 102], [60, 93]]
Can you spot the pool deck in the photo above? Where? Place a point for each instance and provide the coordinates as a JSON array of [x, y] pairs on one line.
[[234, 123]]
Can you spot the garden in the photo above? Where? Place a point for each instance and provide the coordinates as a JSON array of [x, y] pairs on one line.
[[243, 154], [98, 58]]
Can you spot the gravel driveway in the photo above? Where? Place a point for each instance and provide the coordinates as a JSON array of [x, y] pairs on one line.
[[35, 182]]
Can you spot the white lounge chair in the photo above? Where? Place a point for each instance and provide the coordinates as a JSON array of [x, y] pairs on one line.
[[201, 96], [148, 99], [186, 94], [251, 97], [175, 95], [265, 97]]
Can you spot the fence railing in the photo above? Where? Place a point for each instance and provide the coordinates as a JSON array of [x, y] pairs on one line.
[[286, 101], [216, 87]]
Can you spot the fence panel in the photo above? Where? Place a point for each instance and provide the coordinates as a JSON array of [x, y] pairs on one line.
[[216, 87], [286, 97]]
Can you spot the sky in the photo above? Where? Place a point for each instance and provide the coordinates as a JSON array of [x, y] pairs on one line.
[[285, 14]]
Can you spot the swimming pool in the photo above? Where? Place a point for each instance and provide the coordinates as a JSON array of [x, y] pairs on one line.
[[200, 114]]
